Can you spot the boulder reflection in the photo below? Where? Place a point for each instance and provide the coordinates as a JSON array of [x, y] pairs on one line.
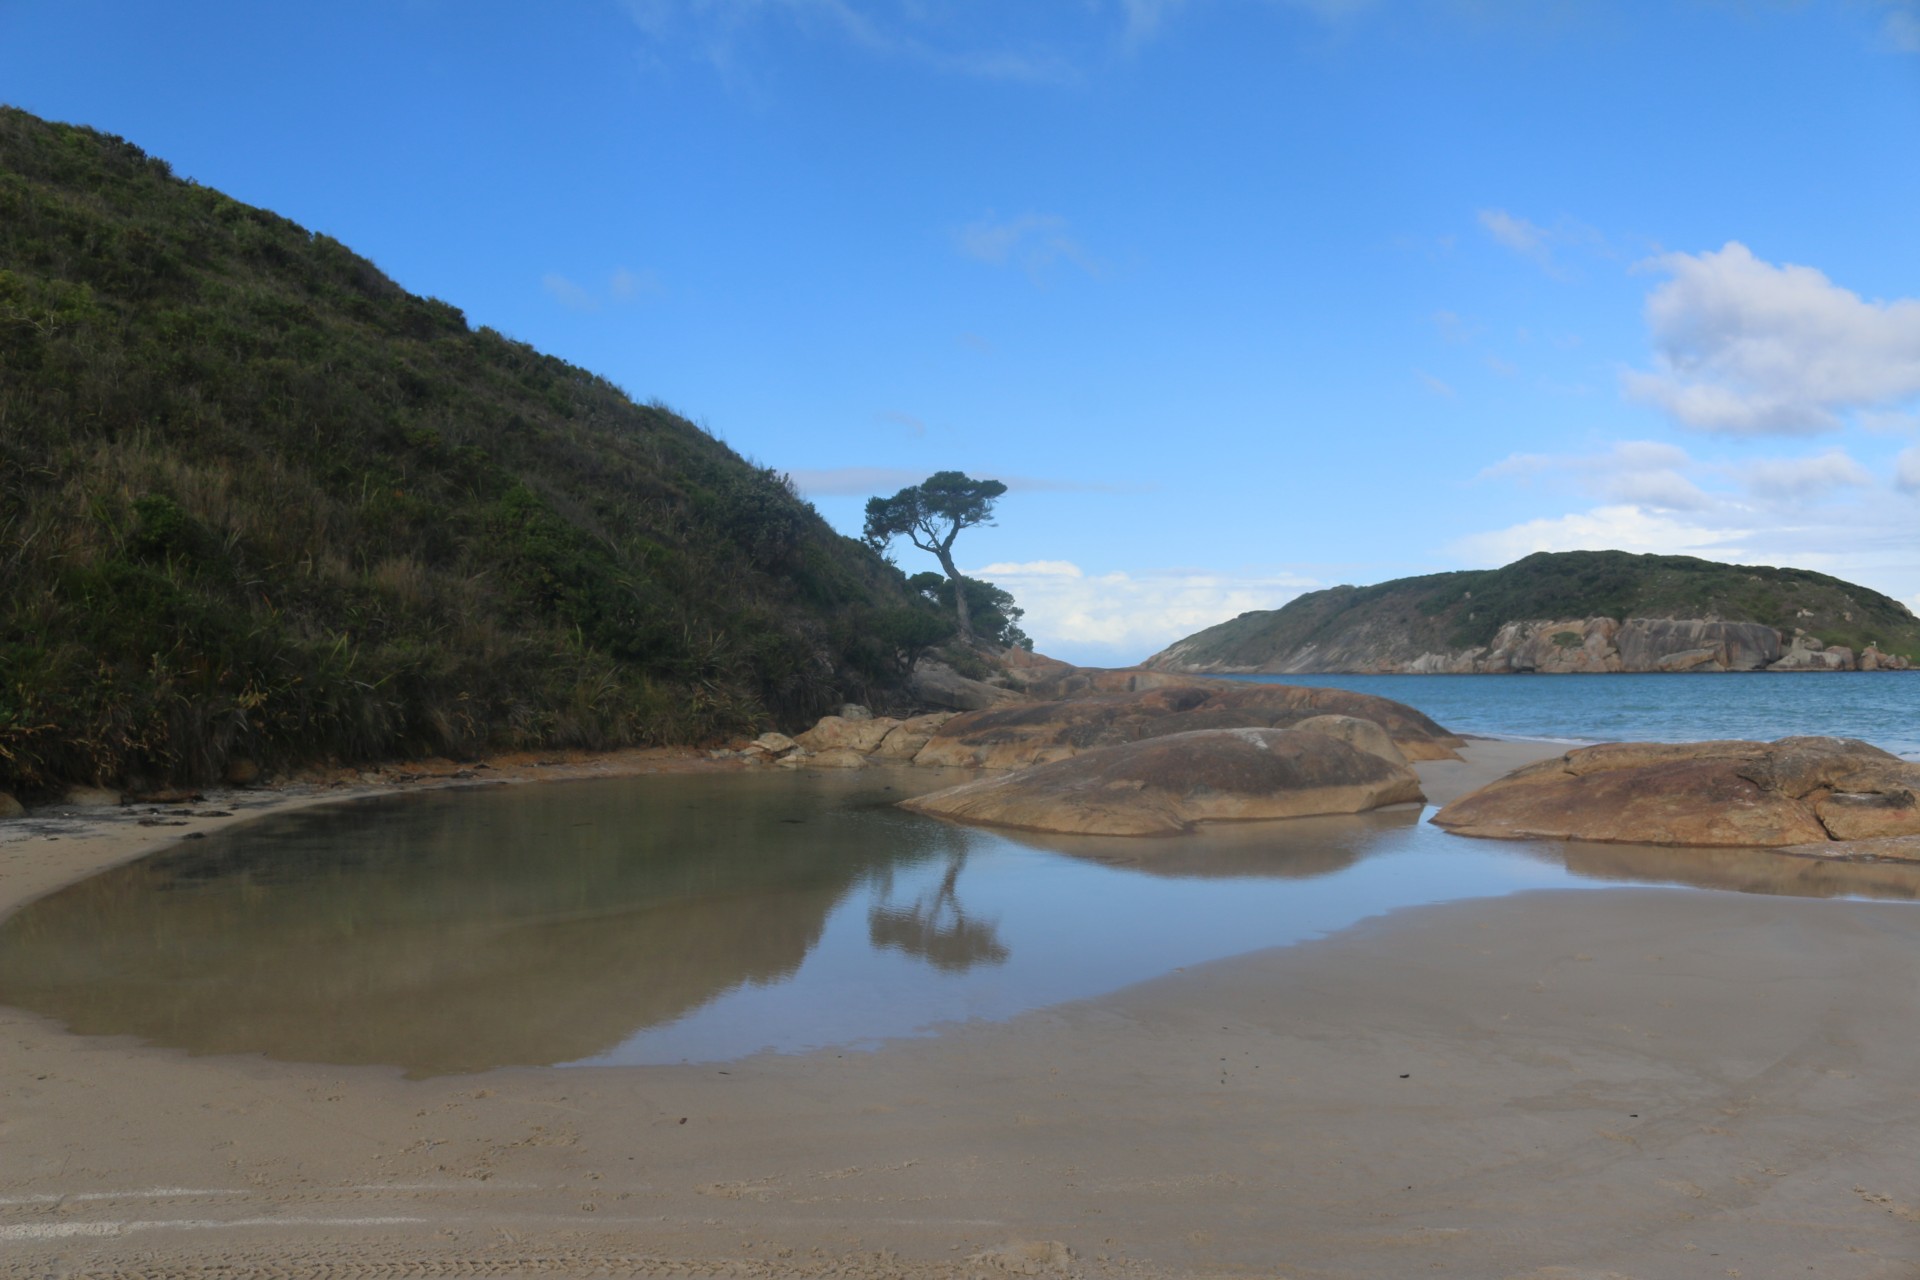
[[1745, 871]]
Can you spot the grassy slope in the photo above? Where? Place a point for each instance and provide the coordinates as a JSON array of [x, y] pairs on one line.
[[258, 501], [1448, 611]]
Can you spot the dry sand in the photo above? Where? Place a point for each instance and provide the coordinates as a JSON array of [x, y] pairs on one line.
[[1615, 1082]]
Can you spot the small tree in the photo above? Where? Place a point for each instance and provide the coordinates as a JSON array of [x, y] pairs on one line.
[[996, 618], [931, 515]]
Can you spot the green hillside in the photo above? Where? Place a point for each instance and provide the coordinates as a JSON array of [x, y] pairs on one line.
[[1453, 611], [258, 501]]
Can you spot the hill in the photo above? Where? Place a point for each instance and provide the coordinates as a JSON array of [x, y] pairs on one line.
[[1567, 611], [259, 503]]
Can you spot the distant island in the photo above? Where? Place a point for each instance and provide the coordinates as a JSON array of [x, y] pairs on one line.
[[1563, 612]]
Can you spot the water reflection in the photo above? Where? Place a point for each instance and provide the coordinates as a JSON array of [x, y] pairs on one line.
[[668, 919], [1745, 871], [935, 926]]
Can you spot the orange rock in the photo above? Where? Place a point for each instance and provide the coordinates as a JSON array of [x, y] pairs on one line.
[[1022, 734], [1164, 785], [1795, 791]]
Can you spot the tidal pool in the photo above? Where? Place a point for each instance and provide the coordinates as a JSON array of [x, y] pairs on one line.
[[703, 918]]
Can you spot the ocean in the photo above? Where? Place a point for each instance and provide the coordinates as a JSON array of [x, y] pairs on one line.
[[1882, 707]]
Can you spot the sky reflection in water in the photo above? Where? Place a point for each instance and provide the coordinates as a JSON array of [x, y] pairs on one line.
[[705, 918]]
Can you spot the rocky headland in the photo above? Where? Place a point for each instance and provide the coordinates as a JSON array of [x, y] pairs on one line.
[[1571, 612]]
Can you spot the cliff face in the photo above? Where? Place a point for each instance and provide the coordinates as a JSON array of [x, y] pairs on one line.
[[1528, 617]]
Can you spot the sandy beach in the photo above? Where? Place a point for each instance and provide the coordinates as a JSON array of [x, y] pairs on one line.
[[1604, 1083]]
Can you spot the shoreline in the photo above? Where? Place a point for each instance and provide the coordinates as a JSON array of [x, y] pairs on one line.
[[1615, 1081]]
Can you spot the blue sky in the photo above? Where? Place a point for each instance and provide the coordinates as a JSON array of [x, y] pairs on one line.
[[1240, 297]]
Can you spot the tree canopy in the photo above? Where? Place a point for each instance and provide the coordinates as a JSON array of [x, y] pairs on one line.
[[931, 515]]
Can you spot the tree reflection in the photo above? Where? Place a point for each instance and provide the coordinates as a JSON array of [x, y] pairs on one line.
[[935, 926]]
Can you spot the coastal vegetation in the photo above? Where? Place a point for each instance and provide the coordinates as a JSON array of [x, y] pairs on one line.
[[931, 515], [1444, 613], [259, 505]]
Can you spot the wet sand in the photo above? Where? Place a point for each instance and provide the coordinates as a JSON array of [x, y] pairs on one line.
[[1617, 1082]]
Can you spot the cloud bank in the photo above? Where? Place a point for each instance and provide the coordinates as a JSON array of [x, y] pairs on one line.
[[1123, 617], [1745, 347]]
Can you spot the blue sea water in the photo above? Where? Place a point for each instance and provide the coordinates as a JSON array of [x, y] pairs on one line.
[[1882, 707]]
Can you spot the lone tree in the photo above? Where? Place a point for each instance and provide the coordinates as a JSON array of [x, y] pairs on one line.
[[931, 515]]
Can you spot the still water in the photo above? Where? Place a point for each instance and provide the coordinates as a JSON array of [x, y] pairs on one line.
[[703, 918], [1882, 707]]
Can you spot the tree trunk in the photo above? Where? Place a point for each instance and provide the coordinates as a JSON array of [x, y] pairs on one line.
[[959, 595]]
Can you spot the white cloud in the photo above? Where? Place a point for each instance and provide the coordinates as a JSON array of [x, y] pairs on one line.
[[828, 482], [853, 481], [623, 286], [1889, 421], [567, 293], [1906, 471], [1126, 616], [1901, 27], [905, 33], [1536, 243], [627, 286], [916, 426], [1454, 327], [1517, 234], [1625, 527], [1444, 390], [1748, 348], [1634, 472], [1033, 241], [1801, 479]]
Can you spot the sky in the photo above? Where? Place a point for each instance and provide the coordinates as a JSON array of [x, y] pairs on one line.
[[1240, 298]]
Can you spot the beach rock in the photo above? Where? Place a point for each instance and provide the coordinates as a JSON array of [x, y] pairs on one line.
[[162, 795], [1163, 785], [854, 711], [11, 808], [242, 772], [82, 797], [774, 744], [835, 758], [1025, 668], [837, 732], [1809, 653], [909, 736], [1795, 791], [1872, 659], [1364, 735], [938, 685], [1016, 736]]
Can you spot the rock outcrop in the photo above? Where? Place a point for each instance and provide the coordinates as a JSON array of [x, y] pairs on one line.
[[936, 684], [846, 741], [1804, 790], [1567, 612], [1023, 734], [1164, 785]]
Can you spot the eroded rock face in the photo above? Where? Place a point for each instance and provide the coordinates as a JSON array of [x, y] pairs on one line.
[[1163, 785], [1791, 792], [841, 732], [937, 685], [1014, 737]]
